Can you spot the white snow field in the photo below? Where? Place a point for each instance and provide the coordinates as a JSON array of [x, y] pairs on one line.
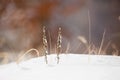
[[71, 67]]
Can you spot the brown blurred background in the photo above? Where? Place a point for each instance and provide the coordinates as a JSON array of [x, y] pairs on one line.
[[21, 24]]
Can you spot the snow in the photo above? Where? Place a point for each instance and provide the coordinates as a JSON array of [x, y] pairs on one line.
[[71, 67]]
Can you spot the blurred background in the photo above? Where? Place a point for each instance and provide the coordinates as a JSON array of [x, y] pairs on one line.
[[83, 23]]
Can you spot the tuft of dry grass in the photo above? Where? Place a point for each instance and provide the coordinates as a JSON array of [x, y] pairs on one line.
[[4, 58], [116, 51], [27, 52]]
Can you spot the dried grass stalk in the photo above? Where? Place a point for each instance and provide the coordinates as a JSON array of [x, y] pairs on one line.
[[20, 58], [68, 48], [102, 42], [59, 42], [45, 44]]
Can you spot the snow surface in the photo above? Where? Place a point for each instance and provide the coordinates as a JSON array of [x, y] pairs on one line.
[[71, 67]]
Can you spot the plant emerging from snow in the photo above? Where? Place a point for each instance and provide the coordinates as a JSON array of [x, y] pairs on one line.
[[59, 42], [45, 47], [45, 44]]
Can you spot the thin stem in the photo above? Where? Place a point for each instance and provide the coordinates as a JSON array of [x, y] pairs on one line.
[[101, 45], [45, 44], [68, 47], [59, 42], [89, 21]]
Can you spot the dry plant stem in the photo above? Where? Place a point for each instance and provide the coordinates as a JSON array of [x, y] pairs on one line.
[[109, 43], [59, 42], [101, 45], [89, 20], [20, 58], [68, 47], [5, 58], [45, 44], [77, 47], [50, 40], [116, 52]]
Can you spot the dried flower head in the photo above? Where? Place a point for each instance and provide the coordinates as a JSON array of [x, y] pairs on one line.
[[59, 42], [45, 44]]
